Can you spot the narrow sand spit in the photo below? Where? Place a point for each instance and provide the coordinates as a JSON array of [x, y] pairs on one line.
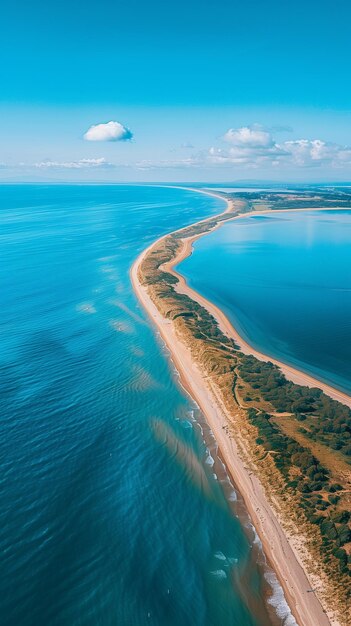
[[304, 605]]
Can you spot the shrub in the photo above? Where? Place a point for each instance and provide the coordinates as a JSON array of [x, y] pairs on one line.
[[328, 529], [340, 517], [344, 533]]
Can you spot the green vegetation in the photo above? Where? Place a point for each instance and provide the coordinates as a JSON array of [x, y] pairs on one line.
[[325, 420], [176, 306], [313, 489], [301, 198], [311, 483]]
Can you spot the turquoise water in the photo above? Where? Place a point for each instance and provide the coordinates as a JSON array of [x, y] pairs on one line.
[[284, 280], [114, 506]]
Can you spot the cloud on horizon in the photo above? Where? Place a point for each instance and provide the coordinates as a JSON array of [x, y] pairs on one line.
[[111, 131], [254, 147], [75, 165], [239, 150]]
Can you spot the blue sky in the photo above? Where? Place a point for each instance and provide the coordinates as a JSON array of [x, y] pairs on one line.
[[215, 91]]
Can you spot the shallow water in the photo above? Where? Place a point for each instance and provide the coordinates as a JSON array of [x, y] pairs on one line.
[[284, 280], [113, 508]]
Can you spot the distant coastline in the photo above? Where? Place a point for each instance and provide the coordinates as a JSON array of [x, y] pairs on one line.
[[282, 550]]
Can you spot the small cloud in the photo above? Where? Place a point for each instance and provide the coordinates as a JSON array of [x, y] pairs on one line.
[[74, 165], [249, 137], [187, 145], [111, 131]]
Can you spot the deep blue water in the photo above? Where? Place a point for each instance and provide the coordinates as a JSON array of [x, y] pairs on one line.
[[285, 282], [112, 511]]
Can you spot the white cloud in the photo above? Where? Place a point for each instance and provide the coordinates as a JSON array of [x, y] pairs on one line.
[[249, 137], [255, 147], [313, 153], [244, 148], [74, 165], [251, 146], [111, 131]]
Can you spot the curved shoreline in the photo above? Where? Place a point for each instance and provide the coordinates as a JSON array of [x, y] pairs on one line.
[[295, 375], [305, 607]]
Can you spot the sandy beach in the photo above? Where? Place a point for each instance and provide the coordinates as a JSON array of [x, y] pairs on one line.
[[291, 373], [281, 552], [226, 326]]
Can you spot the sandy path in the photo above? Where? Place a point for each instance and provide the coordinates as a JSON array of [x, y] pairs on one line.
[[305, 606]]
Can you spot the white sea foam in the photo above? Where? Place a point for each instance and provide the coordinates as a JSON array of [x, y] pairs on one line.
[[209, 460], [233, 496], [257, 541], [219, 573], [219, 555], [200, 428], [278, 601]]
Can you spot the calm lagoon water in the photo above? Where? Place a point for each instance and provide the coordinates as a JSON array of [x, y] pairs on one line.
[[112, 511], [284, 280]]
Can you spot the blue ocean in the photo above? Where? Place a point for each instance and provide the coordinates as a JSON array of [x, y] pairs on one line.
[[284, 281], [115, 509]]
